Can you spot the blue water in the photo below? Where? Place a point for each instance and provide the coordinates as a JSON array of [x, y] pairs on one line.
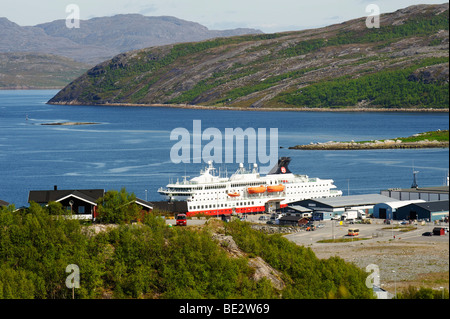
[[131, 147]]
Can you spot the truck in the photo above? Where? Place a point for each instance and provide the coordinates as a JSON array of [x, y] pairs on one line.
[[353, 214], [349, 214], [361, 214]]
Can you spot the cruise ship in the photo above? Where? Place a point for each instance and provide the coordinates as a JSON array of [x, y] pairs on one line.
[[246, 191]]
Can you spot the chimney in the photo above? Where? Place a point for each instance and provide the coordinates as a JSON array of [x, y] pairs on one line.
[[55, 187]]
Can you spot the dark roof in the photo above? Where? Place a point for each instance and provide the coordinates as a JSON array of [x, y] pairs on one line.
[[3, 203], [171, 207], [299, 208], [347, 201], [43, 197], [437, 206], [144, 203]]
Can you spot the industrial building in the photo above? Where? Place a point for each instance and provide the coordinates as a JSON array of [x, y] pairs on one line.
[[338, 205], [322, 215], [436, 210], [428, 194], [388, 210]]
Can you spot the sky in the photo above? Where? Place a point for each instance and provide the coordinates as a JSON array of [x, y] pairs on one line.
[[266, 15]]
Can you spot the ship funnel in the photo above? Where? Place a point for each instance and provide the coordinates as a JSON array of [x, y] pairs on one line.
[[281, 167]]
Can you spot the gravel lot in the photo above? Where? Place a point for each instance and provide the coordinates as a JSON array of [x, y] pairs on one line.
[[409, 259]]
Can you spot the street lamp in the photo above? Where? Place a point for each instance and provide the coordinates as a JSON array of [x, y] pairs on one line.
[[71, 204]]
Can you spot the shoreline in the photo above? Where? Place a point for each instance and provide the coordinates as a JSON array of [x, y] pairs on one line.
[[373, 146], [259, 109], [431, 139]]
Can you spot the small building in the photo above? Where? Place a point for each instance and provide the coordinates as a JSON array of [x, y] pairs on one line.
[[431, 211], [388, 210], [82, 203], [428, 194], [293, 220]]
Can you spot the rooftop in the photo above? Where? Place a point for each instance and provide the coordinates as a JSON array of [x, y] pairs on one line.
[[45, 196], [436, 206], [354, 200]]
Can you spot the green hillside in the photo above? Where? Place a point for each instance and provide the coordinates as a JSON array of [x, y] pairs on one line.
[[152, 260], [403, 64]]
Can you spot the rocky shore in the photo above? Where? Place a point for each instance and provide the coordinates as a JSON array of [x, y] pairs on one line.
[[387, 144]]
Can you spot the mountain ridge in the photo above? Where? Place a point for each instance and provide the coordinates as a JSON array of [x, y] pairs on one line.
[[342, 65], [101, 38]]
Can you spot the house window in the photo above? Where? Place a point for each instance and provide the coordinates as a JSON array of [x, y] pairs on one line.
[[81, 210]]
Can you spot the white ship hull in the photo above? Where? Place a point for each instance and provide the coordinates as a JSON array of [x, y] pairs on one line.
[[246, 191]]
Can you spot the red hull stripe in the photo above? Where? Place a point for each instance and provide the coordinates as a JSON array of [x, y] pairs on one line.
[[228, 211]]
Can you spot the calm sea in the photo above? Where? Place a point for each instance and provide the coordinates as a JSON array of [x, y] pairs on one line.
[[131, 146]]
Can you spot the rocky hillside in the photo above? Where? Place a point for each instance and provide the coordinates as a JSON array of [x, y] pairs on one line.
[[102, 38], [402, 64], [20, 70]]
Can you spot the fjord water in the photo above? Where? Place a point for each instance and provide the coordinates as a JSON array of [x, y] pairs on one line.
[[131, 146]]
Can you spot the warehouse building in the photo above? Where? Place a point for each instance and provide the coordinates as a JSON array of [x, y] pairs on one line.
[[428, 194], [388, 210], [338, 205], [436, 210]]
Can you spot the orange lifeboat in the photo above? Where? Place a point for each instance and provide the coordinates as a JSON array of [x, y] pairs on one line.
[[275, 188], [235, 194], [256, 190]]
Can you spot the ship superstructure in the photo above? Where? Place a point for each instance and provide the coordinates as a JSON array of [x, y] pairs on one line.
[[246, 191]]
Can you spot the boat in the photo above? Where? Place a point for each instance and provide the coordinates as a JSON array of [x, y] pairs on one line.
[[246, 191], [257, 190], [275, 188], [235, 194]]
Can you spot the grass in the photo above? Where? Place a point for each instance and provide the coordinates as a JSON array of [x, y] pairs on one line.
[[403, 229], [439, 135], [341, 240]]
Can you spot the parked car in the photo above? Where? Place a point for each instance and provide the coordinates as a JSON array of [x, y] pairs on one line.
[[181, 220], [263, 218], [428, 233]]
